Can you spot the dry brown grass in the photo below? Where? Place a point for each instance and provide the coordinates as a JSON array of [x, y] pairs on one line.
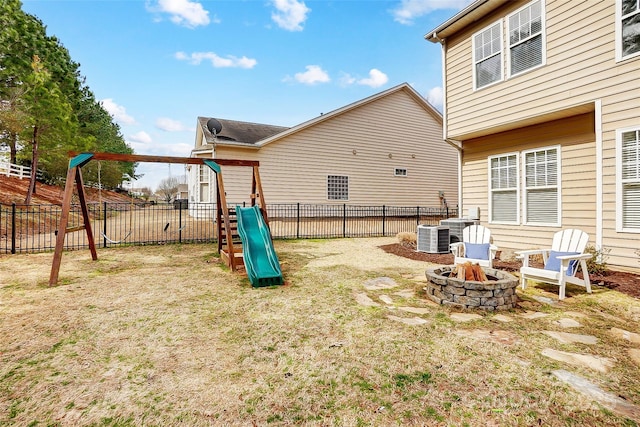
[[166, 336]]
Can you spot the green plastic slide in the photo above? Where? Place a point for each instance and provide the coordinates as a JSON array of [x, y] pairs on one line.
[[260, 259]]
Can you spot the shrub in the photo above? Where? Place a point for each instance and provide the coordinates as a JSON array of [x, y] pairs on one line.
[[597, 264], [407, 238]]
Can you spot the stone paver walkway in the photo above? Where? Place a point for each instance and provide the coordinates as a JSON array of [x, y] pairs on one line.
[[600, 364]]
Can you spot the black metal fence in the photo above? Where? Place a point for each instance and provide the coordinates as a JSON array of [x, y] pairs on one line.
[[34, 228]]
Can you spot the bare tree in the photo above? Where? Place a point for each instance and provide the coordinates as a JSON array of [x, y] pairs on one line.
[[146, 193], [168, 188]]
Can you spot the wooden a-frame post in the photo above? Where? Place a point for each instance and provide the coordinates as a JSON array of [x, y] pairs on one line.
[[74, 174]]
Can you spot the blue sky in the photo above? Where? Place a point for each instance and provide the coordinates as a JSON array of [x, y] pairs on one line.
[[157, 65]]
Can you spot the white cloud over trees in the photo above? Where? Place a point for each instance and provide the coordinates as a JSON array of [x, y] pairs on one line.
[[118, 112]]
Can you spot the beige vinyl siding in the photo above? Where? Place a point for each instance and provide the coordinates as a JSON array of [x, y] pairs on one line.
[[295, 168], [580, 52], [580, 71], [576, 139]]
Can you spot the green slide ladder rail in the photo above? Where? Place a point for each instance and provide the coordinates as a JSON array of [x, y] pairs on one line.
[[260, 258]]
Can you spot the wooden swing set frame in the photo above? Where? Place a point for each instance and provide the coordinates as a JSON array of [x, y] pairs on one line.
[[231, 255]]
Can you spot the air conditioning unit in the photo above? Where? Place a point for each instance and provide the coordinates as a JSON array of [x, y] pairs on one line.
[[432, 239], [456, 225]]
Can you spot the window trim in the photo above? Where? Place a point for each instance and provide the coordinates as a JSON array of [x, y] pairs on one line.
[[618, 35], [619, 202], [517, 188], [543, 34], [501, 53], [525, 220], [335, 199], [403, 175]]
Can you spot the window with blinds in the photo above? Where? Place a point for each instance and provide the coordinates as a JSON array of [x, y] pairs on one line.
[[526, 38], [503, 176], [628, 12], [630, 179], [487, 56], [542, 186], [337, 187]]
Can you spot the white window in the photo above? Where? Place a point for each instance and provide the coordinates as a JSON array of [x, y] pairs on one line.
[[337, 187], [204, 174], [542, 186], [503, 184], [400, 172], [628, 179], [627, 29], [526, 38], [487, 56]]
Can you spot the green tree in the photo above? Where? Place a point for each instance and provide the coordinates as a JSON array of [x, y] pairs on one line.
[[49, 115], [45, 103]]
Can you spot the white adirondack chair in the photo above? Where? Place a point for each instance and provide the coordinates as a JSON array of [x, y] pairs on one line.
[[476, 247], [561, 261]]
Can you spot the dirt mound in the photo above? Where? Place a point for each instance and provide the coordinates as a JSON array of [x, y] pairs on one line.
[[14, 190]]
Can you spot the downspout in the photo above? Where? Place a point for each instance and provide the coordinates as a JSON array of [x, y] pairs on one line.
[[458, 146], [455, 144], [599, 172]]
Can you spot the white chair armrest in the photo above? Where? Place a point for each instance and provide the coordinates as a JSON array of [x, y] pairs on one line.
[[524, 255], [571, 257], [492, 250], [455, 248], [521, 254]]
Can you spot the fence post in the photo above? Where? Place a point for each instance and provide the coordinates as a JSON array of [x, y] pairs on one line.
[[298, 221], [384, 216], [417, 215], [344, 220], [13, 228], [104, 225], [180, 222]]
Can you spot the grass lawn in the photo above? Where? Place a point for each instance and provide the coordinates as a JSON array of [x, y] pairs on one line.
[[165, 335]]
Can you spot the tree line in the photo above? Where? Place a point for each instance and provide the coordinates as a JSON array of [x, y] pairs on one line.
[[46, 107]]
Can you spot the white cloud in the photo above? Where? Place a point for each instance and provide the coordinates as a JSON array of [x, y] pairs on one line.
[[290, 14], [169, 125], [118, 112], [183, 12], [347, 79], [408, 10], [376, 79], [140, 137], [435, 97], [217, 61], [313, 75]]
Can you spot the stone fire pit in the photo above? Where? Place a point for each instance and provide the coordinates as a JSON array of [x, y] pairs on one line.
[[497, 293]]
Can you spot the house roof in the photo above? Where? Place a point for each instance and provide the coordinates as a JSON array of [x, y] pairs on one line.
[[257, 135], [474, 12], [238, 132]]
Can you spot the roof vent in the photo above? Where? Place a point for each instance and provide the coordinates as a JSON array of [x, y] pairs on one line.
[[214, 126]]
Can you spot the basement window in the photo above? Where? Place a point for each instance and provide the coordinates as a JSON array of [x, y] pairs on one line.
[[400, 172]]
